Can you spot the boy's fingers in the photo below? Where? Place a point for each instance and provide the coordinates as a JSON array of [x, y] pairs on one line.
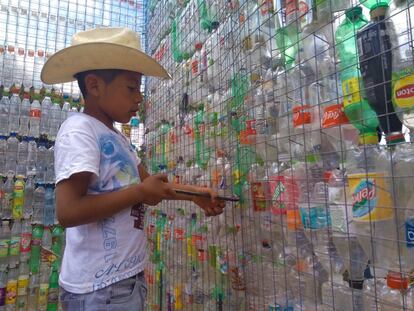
[[162, 177]]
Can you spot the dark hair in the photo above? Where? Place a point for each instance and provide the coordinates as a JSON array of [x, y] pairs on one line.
[[108, 75]]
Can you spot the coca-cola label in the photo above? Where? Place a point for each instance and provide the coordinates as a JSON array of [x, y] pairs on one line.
[[35, 113], [403, 91], [333, 116], [371, 199], [195, 67], [301, 116]]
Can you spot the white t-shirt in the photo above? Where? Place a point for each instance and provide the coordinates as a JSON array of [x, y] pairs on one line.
[[102, 253]]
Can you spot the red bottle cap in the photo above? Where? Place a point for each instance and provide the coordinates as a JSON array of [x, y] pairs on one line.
[[396, 281]]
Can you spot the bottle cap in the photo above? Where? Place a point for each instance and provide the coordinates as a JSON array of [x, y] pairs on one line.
[[396, 281], [198, 46], [353, 12], [378, 10]]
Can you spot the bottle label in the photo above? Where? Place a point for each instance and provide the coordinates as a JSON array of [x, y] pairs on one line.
[[22, 285], [371, 198], [18, 200], [284, 194], [35, 113], [7, 202], [43, 292], [260, 195], [351, 91], [403, 89], [339, 218], [301, 116], [334, 116], [15, 246], [266, 7], [317, 217], [53, 296], [4, 248], [179, 234], [25, 242], [11, 292], [409, 232]]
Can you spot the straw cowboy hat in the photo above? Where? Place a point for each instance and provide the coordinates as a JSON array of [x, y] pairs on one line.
[[100, 48]]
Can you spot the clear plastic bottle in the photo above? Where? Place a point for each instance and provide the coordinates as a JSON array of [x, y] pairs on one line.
[[38, 204], [22, 286], [395, 298], [33, 292], [41, 164], [28, 198], [22, 154], [7, 199], [11, 287], [50, 167], [402, 62], [4, 112], [31, 157], [24, 114], [65, 108], [14, 249], [4, 245], [25, 240], [3, 155], [14, 110], [45, 120], [35, 116], [49, 209], [54, 121], [12, 147], [43, 286]]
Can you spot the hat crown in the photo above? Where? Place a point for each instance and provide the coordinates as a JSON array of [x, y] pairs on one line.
[[120, 36]]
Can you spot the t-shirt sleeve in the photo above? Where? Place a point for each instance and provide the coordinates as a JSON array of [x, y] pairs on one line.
[[75, 152]]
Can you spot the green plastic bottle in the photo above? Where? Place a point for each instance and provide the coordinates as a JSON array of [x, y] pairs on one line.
[[53, 294], [37, 235], [356, 106]]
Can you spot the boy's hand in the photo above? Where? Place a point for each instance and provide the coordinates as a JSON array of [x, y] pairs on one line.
[[211, 206], [156, 188]]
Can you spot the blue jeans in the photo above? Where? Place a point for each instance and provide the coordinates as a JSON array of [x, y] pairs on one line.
[[128, 294]]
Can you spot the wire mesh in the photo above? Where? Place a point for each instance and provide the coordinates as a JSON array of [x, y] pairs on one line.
[[302, 109]]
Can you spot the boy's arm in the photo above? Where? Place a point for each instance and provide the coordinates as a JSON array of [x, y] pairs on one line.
[[75, 207], [211, 206]]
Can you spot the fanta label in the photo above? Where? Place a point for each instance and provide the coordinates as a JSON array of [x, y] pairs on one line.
[[371, 199]]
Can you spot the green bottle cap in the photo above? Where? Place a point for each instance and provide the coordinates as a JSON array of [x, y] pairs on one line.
[[353, 12]]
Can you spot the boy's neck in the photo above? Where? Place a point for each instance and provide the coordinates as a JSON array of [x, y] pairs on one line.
[[94, 111]]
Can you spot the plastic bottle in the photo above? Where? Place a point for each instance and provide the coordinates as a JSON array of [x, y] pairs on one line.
[[397, 297], [373, 214], [22, 286], [38, 204], [22, 153], [14, 110], [370, 4], [57, 244], [43, 287], [18, 198], [49, 209], [25, 239], [45, 120], [50, 167], [41, 164], [35, 116], [65, 108], [14, 249], [11, 161], [24, 114], [33, 291], [28, 198], [4, 112], [53, 294], [4, 245], [11, 287], [135, 132], [402, 62], [375, 43], [3, 282], [3, 155], [356, 107], [7, 200], [37, 235], [54, 121], [31, 157]]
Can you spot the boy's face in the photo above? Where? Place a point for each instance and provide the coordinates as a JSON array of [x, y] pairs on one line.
[[120, 98]]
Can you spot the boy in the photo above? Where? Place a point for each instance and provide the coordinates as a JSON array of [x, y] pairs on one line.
[[100, 183]]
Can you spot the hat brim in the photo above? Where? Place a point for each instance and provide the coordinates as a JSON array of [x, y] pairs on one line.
[[62, 66]]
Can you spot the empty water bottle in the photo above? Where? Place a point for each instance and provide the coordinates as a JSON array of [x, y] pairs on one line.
[[50, 168], [49, 210], [14, 110], [11, 160], [7, 200], [31, 157], [54, 121], [38, 204], [22, 153], [35, 117], [24, 114], [65, 108], [41, 164], [44, 122], [3, 155], [4, 113]]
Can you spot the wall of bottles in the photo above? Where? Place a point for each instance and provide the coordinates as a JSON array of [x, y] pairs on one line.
[[31, 240], [303, 110]]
